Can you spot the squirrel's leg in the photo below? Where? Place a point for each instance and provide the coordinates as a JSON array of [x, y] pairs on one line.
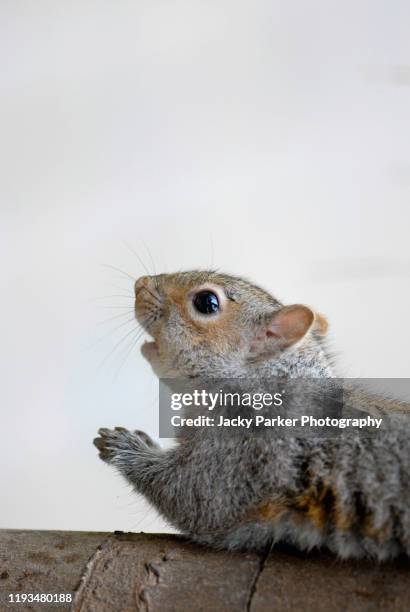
[[147, 467]]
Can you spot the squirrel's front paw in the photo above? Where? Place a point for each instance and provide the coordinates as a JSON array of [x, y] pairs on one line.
[[119, 443]]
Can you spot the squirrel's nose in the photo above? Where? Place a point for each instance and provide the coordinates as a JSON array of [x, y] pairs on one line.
[[140, 283]]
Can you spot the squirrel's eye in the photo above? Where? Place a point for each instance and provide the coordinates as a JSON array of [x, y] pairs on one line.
[[206, 302]]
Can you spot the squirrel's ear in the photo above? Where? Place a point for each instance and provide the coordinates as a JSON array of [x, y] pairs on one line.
[[286, 327], [290, 325], [321, 324]]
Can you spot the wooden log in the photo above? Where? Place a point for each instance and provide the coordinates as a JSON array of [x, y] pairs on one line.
[[125, 572]]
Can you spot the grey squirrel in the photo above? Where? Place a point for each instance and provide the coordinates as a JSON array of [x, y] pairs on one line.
[[350, 494]]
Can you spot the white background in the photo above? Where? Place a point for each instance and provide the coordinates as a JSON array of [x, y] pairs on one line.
[[269, 139]]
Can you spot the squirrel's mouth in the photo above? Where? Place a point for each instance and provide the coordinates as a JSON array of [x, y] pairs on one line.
[[151, 345], [150, 351]]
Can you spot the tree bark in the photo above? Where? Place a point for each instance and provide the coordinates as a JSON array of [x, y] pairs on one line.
[[125, 572]]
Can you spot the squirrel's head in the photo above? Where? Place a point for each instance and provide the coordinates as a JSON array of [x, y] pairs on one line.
[[211, 324]]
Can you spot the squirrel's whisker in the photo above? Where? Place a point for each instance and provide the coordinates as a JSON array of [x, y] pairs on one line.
[[132, 331], [119, 271], [149, 255], [138, 257], [129, 349], [117, 316], [118, 295], [112, 331]]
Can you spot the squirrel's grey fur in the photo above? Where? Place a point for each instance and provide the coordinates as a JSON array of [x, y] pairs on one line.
[[350, 493]]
